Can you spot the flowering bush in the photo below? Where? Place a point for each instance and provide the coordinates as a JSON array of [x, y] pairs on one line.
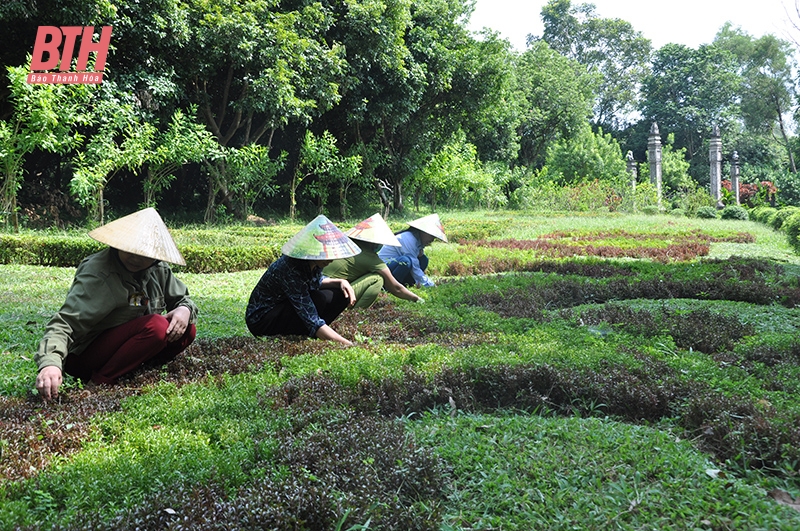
[[754, 194]]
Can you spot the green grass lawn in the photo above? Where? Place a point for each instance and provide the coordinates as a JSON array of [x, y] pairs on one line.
[[574, 393]]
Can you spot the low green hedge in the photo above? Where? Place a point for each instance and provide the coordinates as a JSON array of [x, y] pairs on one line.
[[792, 228], [734, 212], [776, 219], [65, 251], [707, 212], [762, 214], [215, 259], [53, 251]]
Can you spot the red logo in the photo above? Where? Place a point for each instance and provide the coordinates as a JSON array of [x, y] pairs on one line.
[[55, 47]]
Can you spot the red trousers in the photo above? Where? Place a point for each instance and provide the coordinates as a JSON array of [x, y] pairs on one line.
[[122, 349]]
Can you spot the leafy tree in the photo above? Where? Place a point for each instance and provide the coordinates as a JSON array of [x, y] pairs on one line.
[[586, 157], [319, 158], [251, 173], [608, 47], [451, 173], [414, 77], [119, 141], [558, 96], [45, 117], [768, 93], [688, 92], [253, 68], [124, 141], [491, 120], [349, 174], [183, 142]]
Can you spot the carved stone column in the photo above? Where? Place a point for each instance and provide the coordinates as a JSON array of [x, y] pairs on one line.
[[735, 176], [633, 169], [654, 158], [715, 157]]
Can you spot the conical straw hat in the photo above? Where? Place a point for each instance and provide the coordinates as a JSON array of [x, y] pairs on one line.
[[374, 230], [320, 240], [142, 233], [430, 225]]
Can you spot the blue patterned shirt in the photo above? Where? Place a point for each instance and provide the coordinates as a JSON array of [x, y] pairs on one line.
[[411, 247], [287, 279]]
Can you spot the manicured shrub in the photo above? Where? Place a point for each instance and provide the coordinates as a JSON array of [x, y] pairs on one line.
[[650, 210], [791, 226], [213, 259], [762, 213], [734, 212], [707, 212], [776, 220], [53, 251], [66, 251]]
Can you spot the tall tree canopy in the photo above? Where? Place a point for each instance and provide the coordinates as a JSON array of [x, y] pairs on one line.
[[558, 100], [768, 91], [608, 47], [399, 86], [688, 92]]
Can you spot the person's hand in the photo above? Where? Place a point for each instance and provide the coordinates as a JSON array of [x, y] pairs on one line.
[[48, 381], [420, 300], [349, 292], [178, 323], [328, 333]]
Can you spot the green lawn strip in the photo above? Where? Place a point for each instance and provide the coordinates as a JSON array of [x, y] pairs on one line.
[[528, 472], [229, 439], [201, 434], [163, 438], [171, 435]]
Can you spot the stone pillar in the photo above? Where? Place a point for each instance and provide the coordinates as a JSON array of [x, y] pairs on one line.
[[633, 169], [735, 176], [654, 158], [715, 157]]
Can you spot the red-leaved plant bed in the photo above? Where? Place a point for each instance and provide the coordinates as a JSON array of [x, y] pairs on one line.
[[659, 247]]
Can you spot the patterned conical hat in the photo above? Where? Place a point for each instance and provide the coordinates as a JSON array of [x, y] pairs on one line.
[[320, 240], [374, 230], [430, 225], [142, 233]]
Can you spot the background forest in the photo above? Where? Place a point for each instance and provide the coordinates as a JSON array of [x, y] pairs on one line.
[[213, 110]]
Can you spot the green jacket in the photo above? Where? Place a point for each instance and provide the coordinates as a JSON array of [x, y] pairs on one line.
[[103, 295]]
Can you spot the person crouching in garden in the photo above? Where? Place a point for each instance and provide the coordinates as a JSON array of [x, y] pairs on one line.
[[292, 298], [111, 321], [366, 272], [409, 261]]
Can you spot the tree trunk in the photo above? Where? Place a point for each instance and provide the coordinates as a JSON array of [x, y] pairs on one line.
[[398, 194], [292, 197], [15, 214], [786, 142], [208, 216]]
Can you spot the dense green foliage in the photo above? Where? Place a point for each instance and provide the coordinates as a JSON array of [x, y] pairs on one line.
[[213, 111]]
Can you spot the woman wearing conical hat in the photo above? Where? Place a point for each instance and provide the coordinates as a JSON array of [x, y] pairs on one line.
[[112, 320], [409, 261], [292, 297], [366, 272]]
